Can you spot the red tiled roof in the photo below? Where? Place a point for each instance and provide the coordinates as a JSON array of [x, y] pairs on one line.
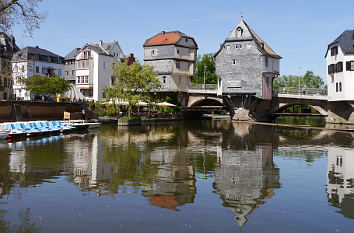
[[164, 39], [168, 202]]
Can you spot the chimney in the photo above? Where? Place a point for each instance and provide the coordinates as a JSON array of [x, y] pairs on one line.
[[163, 33], [100, 43]]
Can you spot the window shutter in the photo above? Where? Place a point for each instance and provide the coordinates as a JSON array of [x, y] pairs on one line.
[[348, 65]]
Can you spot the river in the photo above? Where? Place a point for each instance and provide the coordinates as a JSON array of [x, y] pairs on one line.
[[188, 176]]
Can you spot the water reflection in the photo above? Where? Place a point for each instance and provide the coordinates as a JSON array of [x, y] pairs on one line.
[[245, 178], [164, 164], [340, 180], [174, 182]]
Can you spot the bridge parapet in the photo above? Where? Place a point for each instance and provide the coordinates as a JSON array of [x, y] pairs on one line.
[[299, 91], [203, 88]]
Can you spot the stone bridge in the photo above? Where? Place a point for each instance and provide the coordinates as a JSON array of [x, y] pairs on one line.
[[250, 108]]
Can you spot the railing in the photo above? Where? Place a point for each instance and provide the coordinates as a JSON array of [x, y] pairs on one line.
[[194, 86], [299, 91]]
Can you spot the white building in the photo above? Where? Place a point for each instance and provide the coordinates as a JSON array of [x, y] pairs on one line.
[[93, 64], [34, 60], [340, 67]]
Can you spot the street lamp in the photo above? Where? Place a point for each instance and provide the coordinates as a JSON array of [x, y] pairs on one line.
[[300, 80], [204, 76]]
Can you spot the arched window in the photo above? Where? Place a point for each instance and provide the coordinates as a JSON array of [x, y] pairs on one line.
[[239, 32], [340, 86]]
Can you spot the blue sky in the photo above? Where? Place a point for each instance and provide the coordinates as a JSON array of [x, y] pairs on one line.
[[297, 30]]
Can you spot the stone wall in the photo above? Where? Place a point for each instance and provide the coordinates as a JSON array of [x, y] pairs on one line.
[[26, 110]]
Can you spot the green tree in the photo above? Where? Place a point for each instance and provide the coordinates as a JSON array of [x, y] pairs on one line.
[[207, 64], [309, 80], [46, 85], [133, 83], [24, 12]]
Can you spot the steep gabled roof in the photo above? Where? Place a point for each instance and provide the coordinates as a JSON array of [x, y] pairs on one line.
[[101, 48], [167, 38], [71, 55], [262, 46], [95, 48], [345, 41]]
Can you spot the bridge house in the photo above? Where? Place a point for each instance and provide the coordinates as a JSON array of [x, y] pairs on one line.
[[173, 55], [245, 64], [340, 67]]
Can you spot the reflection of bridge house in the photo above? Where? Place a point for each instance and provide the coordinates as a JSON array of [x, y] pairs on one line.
[[340, 180], [174, 184], [245, 178]]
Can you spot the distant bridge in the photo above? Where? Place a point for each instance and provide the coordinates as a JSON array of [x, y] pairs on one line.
[[204, 98]]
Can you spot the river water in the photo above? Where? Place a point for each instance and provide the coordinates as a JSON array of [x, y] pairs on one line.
[[190, 176]]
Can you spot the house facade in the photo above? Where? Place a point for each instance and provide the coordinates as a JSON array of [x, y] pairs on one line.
[[91, 68], [173, 55], [7, 48], [245, 64], [340, 67], [70, 66], [30, 61]]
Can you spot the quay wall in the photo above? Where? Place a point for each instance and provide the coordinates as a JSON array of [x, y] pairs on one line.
[[28, 110]]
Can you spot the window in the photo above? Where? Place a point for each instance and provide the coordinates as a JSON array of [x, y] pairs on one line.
[[152, 52], [78, 79], [37, 69], [67, 73], [334, 50], [178, 65], [86, 79], [234, 61], [186, 40], [350, 65], [340, 86], [266, 61], [73, 72], [336, 87], [238, 46], [239, 32], [163, 79], [82, 79], [340, 67], [227, 47], [177, 51]]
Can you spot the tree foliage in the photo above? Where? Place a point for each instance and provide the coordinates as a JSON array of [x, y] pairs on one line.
[[46, 85], [206, 63], [309, 80], [23, 12], [133, 83]]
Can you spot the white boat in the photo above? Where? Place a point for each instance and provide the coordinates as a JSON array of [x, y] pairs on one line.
[[82, 124], [3, 133]]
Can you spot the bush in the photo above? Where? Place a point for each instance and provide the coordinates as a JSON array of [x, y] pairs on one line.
[[129, 118]]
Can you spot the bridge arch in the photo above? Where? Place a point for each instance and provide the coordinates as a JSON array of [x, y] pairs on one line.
[[205, 101], [283, 106]]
